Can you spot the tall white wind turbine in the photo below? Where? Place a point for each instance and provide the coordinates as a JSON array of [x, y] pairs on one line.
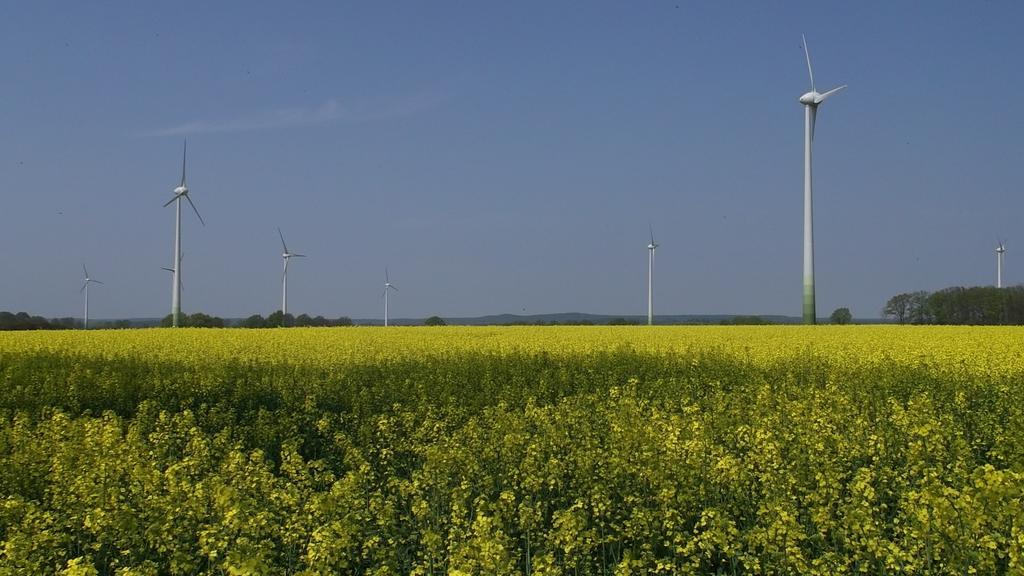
[[387, 286], [286, 255], [811, 101], [85, 289], [1000, 250], [650, 279], [180, 192]]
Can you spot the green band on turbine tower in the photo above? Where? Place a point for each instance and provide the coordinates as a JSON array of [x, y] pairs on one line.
[[809, 313]]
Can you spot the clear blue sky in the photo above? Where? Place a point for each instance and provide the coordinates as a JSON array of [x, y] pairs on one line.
[[505, 157]]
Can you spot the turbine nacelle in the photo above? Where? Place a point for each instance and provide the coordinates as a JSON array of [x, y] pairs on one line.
[[813, 98], [181, 191]]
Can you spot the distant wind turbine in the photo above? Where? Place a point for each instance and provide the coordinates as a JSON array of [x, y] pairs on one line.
[[85, 289], [387, 286], [1000, 250], [650, 278], [811, 101], [180, 192], [286, 255]]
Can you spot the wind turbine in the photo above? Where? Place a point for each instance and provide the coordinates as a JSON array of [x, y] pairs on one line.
[[85, 289], [811, 101], [387, 286], [286, 255], [180, 192], [1000, 250], [650, 278]]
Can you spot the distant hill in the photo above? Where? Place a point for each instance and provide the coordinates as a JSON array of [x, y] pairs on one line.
[[559, 318], [578, 318]]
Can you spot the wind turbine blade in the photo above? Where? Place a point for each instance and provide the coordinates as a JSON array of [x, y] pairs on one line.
[[84, 284], [299, 255], [95, 281], [283, 245], [386, 275], [392, 286], [86, 272], [651, 226], [194, 209], [807, 53], [168, 269], [821, 97], [171, 201], [814, 115], [184, 153]]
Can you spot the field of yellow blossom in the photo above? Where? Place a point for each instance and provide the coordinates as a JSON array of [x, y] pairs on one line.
[[513, 450]]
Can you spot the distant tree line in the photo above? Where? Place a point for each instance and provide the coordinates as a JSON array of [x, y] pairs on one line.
[[23, 321], [197, 320], [279, 320], [978, 305], [743, 320], [274, 320], [612, 322]]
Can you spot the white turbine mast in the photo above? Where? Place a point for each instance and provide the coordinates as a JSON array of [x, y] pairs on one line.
[[387, 286], [171, 270], [286, 256], [1000, 251], [650, 278], [811, 100], [180, 192], [85, 289]]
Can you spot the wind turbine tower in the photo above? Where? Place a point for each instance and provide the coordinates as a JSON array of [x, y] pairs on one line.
[[286, 255], [811, 101], [85, 289], [650, 279], [387, 286], [1000, 250], [180, 192], [171, 270]]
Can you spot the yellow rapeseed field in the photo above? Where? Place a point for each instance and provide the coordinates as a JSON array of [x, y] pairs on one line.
[[981, 349], [513, 450]]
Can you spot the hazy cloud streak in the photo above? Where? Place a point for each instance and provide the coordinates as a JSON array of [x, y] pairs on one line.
[[329, 112]]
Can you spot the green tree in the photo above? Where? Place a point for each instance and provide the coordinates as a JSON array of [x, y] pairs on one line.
[[841, 316], [434, 321], [898, 308], [168, 321], [200, 320], [919, 310], [277, 320], [254, 321]]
